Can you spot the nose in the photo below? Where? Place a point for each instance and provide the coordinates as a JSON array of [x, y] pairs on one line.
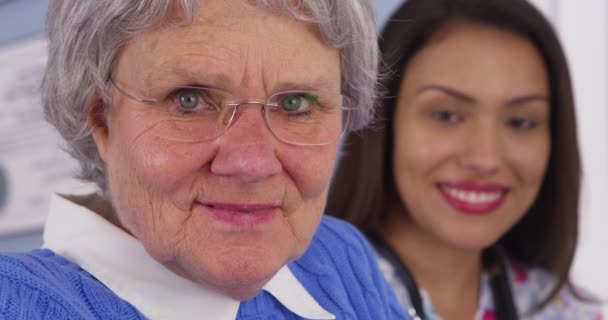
[[481, 154], [247, 150]]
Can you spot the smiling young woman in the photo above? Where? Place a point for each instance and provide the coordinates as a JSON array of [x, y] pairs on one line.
[[473, 164]]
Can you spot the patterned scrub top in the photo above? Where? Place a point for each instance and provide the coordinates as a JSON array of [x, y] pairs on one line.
[[529, 286]]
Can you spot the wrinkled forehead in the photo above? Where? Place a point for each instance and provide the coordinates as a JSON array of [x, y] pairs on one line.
[[229, 45]]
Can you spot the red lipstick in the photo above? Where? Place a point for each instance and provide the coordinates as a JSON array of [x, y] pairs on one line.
[[472, 197]]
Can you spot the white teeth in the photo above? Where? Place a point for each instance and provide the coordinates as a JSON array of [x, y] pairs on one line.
[[472, 196]]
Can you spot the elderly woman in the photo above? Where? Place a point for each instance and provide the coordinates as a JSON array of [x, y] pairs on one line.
[[211, 128]]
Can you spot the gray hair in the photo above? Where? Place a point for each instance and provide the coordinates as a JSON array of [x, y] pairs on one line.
[[85, 36]]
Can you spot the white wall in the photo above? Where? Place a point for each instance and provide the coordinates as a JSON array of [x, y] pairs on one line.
[[583, 28], [18, 20]]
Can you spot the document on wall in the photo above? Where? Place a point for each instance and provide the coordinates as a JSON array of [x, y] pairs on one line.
[[32, 162]]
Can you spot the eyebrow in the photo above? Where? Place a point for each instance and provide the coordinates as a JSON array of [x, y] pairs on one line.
[[449, 91], [527, 99], [317, 84], [222, 80], [469, 99], [192, 77]]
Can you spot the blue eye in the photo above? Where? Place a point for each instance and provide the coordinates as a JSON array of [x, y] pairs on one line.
[[188, 100], [297, 102]]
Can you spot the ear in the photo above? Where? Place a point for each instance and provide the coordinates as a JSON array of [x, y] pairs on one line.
[[98, 121]]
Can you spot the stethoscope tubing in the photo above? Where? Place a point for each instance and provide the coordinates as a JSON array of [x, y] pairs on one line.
[[493, 260]]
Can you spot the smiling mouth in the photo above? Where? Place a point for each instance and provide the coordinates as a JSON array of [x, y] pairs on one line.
[[242, 215], [244, 208], [473, 199]]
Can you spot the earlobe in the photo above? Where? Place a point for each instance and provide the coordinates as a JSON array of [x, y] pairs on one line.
[[99, 126]]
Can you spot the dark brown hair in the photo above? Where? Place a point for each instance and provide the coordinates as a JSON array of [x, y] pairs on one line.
[[363, 185]]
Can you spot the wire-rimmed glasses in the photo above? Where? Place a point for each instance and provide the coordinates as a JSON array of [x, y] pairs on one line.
[[195, 114]]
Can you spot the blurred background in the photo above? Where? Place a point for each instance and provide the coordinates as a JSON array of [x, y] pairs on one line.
[[32, 165]]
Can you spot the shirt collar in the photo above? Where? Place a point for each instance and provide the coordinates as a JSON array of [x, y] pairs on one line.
[[122, 264]]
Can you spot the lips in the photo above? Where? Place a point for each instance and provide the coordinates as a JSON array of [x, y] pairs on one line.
[[241, 215], [473, 197]]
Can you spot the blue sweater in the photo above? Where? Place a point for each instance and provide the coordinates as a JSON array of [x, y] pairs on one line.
[[338, 269]]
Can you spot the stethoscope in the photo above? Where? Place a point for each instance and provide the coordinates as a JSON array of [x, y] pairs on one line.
[[493, 263]]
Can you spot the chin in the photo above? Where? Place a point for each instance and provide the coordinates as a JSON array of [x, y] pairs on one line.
[[244, 285], [472, 241], [240, 278], [242, 293]]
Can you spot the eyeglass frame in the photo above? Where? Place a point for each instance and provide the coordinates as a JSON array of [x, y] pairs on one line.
[[235, 105]]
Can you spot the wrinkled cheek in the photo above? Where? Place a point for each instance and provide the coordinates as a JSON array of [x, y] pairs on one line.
[[311, 215], [311, 171], [156, 170], [145, 205], [164, 167], [315, 209], [142, 181]]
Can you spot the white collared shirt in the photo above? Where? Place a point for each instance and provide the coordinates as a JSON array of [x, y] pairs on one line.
[[122, 264]]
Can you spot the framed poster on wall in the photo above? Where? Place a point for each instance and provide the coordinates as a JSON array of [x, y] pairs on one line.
[[32, 164]]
